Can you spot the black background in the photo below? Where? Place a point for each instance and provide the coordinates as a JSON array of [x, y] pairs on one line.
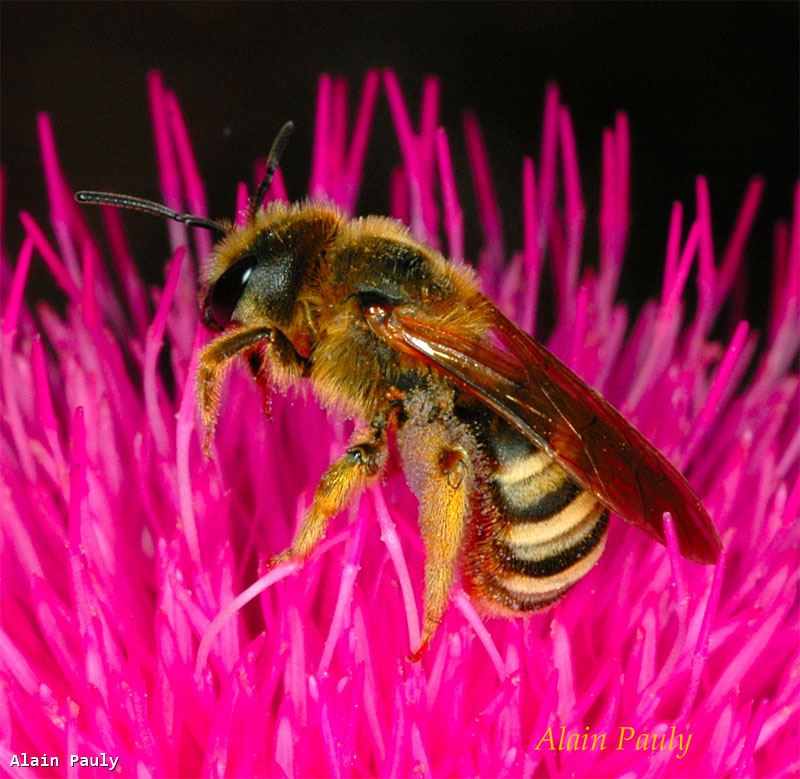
[[709, 88]]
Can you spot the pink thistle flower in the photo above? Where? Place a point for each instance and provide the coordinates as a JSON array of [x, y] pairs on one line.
[[137, 619]]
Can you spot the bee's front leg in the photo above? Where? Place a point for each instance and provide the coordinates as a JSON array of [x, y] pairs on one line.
[[218, 355], [214, 360], [344, 479]]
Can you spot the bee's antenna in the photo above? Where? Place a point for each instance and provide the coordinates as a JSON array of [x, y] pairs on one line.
[[148, 207], [278, 145]]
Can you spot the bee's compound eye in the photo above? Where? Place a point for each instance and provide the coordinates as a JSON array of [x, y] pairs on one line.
[[223, 297]]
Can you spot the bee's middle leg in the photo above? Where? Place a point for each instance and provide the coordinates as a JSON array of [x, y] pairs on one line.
[[344, 479]]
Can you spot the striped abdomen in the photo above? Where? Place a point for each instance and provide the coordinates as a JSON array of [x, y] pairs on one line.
[[538, 535]]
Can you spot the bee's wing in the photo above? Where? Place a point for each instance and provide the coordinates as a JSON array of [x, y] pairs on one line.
[[543, 399]]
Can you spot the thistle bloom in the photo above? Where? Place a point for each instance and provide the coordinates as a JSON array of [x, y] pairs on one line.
[[138, 620]]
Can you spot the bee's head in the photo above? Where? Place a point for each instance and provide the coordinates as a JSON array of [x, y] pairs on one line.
[[252, 250], [254, 274]]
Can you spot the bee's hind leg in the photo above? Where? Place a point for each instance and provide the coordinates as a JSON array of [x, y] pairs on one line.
[[439, 470], [344, 479]]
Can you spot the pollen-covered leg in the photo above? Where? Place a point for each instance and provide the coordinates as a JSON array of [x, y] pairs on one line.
[[436, 459], [443, 511], [342, 481], [440, 458]]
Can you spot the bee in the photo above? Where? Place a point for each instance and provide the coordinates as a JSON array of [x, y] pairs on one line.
[[515, 461]]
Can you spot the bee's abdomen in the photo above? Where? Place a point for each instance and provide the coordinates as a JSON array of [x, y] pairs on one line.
[[545, 532]]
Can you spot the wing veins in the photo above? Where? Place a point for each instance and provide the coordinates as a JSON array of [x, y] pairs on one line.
[[587, 448], [555, 409]]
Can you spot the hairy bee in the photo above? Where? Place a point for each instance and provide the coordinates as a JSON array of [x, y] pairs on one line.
[[515, 461]]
